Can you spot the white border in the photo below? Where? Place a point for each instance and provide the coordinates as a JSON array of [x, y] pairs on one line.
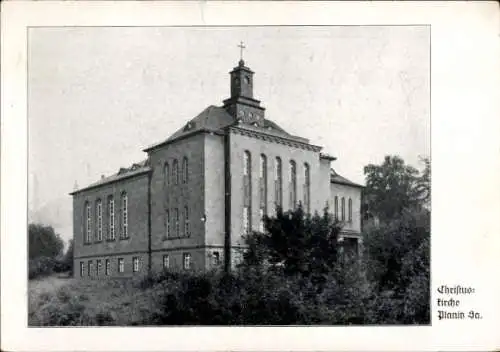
[[465, 158]]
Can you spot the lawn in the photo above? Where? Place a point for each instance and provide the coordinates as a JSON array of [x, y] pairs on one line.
[[55, 301]]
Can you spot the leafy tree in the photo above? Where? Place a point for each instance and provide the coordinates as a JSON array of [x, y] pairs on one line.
[[393, 187], [43, 242], [397, 259], [297, 242], [67, 261]]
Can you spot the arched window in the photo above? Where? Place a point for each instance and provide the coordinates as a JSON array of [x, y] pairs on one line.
[[185, 171], [336, 208], [263, 183], [293, 184], [124, 218], [307, 188], [111, 218], [186, 221], [167, 224], [175, 172], [247, 192], [98, 211], [176, 222], [343, 209], [166, 175], [278, 182], [350, 210], [88, 223]]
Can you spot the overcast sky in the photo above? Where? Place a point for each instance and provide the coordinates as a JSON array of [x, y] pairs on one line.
[[98, 96]]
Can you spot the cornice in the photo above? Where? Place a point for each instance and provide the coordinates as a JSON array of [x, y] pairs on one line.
[[270, 138]]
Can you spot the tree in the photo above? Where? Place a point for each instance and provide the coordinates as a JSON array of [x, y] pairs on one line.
[[297, 242], [393, 187], [43, 242], [67, 261]]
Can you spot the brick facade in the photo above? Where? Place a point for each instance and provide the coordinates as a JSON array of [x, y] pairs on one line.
[[195, 222]]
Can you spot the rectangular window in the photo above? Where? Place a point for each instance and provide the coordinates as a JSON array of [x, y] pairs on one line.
[[88, 236], [135, 262], [307, 188], [82, 269], [186, 222], [246, 220], [336, 210], [263, 182], [124, 216], [278, 182], [111, 218], [216, 257], [99, 267], [167, 224], [350, 210], [343, 209], [121, 265], [91, 268], [166, 261], [108, 267], [176, 222], [99, 220], [293, 184], [187, 261]]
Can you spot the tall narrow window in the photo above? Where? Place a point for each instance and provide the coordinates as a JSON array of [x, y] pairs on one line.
[[88, 223], [246, 220], [124, 215], [336, 208], [186, 221], [293, 184], [99, 220], [176, 222], [99, 267], [185, 171], [247, 191], [166, 176], [278, 182], [175, 172], [166, 261], [307, 188], [350, 210], [107, 268], [187, 261], [135, 264], [121, 265], [91, 268], [167, 224], [261, 220], [343, 209], [82, 269], [111, 218], [263, 183]]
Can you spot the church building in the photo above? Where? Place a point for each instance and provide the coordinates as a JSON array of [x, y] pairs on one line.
[[188, 204]]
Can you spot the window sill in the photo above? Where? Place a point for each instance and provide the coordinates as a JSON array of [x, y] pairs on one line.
[[124, 238], [175, 238], [110, 239]]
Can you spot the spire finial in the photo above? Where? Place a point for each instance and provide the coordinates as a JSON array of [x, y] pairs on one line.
[[241, 46]]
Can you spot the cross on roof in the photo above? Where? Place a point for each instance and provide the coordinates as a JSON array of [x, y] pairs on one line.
[[241, 46]]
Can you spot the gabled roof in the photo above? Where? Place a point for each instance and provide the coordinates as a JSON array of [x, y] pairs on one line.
[[133, 170], [336, 178], [215, 119], [212, 119]]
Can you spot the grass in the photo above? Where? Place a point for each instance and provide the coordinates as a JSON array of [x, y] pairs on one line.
[[55, 301]]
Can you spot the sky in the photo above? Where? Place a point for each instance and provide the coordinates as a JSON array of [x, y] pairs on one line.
[[98, 95]]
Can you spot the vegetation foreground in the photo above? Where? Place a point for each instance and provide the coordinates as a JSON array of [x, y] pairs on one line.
[[296, 272]]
